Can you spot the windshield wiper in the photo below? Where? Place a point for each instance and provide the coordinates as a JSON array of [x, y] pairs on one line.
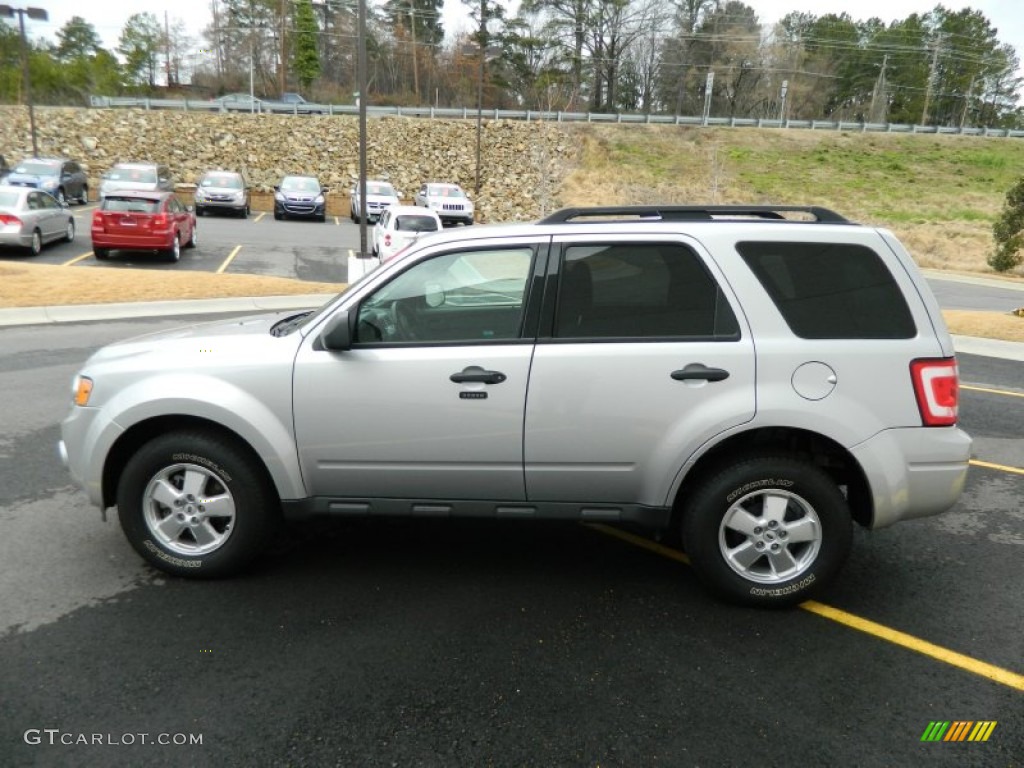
[[288, 324]]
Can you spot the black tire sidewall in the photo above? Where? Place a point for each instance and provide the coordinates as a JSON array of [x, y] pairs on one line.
[[703, 514], [257, 511]]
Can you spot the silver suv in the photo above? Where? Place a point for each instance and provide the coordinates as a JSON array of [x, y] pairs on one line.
[[756, 383]]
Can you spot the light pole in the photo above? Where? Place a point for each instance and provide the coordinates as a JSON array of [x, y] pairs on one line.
[[38, 14]]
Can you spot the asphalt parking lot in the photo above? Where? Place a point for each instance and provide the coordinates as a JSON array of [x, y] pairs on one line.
[[259, 245], [427, 643]]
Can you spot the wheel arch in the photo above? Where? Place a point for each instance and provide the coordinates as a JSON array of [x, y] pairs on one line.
[[141, 433], [813, 447]]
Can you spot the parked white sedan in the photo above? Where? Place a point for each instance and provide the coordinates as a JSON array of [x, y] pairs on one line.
[[400, 226], [29, 218]]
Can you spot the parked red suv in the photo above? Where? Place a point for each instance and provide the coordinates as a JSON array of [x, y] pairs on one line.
[[143, 221]]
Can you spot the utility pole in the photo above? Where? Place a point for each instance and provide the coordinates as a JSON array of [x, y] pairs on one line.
[[931, 78], [879, 94], [281, 74], [415, 64], [167, 47], [37, 14], [480, 90]]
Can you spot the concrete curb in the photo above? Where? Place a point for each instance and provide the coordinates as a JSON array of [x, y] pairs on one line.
[[988, 282], [1006, 350]]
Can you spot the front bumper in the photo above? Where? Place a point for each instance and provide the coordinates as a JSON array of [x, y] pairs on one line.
[[289, 208], [914, 472]]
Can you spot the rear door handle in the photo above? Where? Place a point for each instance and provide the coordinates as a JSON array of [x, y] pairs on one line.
[[474, 373], [699, 371]]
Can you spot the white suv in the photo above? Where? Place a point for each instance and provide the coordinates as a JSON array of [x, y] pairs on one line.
[[755, 383], [446, 200]]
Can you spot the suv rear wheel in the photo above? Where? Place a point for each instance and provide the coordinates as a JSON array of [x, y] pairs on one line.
[[767, 531], [194, 504]]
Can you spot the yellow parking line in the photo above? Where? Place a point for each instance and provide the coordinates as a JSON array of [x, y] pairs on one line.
[[259, 216], [77, 259], [991, 391], [228, 260], [959, 660], [999, 467], [894, 636]]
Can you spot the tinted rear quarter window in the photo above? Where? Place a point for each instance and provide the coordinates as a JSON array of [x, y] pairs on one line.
[[831, 290], [640, 290]]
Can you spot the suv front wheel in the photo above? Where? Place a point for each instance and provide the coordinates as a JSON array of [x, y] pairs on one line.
[[767, 531], [194, 504]]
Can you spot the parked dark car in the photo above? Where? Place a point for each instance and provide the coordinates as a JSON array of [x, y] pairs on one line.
[[300, 196], [61, 177], [137, 220]]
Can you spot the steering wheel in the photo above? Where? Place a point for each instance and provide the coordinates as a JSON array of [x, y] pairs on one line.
[[404, 320]]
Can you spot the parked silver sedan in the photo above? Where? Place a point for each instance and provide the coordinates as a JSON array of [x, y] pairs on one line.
[[30, 218]]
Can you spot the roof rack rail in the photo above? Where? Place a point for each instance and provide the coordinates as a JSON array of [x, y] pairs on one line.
[[693, 213]]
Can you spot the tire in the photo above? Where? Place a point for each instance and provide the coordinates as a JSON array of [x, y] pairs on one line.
[[69, 233], [36, 246], [244, 213], [736, 518], [277, 216], [61, 197], [193, 241], [174, 254], [101, 253], [200, 211], [84, 199], [160, 504]]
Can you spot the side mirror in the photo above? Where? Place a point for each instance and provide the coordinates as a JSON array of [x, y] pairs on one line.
[[324, 190], [337, 335]]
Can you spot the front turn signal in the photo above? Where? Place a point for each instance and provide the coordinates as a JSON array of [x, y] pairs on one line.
[[83, 389]]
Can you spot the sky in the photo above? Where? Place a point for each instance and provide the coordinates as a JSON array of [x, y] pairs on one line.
[[108, 16]]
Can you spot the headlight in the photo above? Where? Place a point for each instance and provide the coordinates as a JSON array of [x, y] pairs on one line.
[[319, 199], [199, 196], [51, 184], [239, 195], [81, 388], [279, 197]]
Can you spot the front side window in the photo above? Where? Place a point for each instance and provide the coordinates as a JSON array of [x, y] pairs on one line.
[[464, 297], [831, 290], [640, 290]]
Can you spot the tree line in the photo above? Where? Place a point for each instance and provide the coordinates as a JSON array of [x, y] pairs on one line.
[[683, 57]]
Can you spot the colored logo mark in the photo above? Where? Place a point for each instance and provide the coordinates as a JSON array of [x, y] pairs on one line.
[[958, 730]]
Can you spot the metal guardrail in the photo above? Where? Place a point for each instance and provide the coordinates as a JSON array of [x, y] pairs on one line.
[[447, 113]]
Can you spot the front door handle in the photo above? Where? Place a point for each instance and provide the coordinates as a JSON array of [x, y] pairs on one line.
[[474, 373], [699, 371]]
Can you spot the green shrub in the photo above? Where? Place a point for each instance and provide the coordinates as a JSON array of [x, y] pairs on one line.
[[1008, 231]]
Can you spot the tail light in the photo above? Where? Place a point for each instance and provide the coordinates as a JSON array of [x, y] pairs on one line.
[[161, 221], [387, 239], [937, 388], [7, 220], [98, 220]]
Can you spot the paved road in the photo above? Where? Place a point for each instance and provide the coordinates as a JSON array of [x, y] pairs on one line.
[[421, 643]]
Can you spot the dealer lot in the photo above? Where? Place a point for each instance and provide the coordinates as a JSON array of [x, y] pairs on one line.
[[439, 643]]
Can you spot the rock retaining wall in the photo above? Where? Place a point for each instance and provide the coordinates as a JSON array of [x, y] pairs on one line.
[[522, 164]]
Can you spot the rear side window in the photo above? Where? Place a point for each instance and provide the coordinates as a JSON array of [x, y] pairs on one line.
[[640, 290], [831, 290]]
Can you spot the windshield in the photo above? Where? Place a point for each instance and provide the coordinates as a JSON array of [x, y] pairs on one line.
[[9, 199], [380, 189], [37, 168], [445, 192], [222, 180], [300, 184], [141, 175], [416, 223], [131, 204]]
